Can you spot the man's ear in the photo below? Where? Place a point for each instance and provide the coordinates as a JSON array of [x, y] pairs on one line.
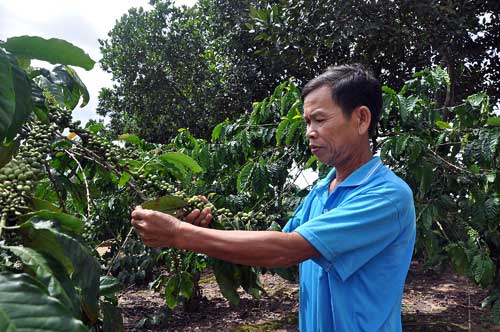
[[363, 116]]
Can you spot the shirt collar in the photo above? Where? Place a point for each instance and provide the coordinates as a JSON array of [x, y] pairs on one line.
[[356, 178]]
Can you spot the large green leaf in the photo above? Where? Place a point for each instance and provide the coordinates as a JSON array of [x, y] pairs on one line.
[[171, 292], [27, 307], [493, 121], [51, 274], [81, 86], [40, 204], [109, 286], [186, 285], [6, 325], [182, 160], [166, 204], [55, 51], [7, 94], [132, 139], [23, 102], [64, 85], [225, 276], [66, 221], [245, 176], [112, 318], [74, 256]]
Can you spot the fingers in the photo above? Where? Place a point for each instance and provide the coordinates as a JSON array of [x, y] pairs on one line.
[[203, 198], [139, 212], [199, 218]]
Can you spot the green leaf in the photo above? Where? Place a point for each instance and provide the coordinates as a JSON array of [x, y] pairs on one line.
[[109, 286], [458, 258], [181, 159], [29, 308], [217, 131], [310, 162], [112, 318], [7, 94], [7, 151], [67, 221], [292, 131], [281, 130], [55, 51], [51, 274], [477, 99], [171, 292], [483, 270], [496, 312], [250, 280], [40, 204], [124, 178], [228, 285], [96, 127], [406, 106], [6, 325], [132, 139], [74, 256], [166, 204], [443, 125], [244, 177], [24, 104], [186, 285], [80, 85], [493, 121]]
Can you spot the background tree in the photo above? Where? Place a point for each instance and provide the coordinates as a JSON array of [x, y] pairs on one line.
[[193, 67]]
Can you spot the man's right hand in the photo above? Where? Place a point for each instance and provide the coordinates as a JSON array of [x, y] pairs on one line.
[[199, 218]]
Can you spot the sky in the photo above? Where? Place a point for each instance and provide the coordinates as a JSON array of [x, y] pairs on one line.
[[81, 22]]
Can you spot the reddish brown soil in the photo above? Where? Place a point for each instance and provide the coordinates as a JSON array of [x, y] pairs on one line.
[[432, 303]]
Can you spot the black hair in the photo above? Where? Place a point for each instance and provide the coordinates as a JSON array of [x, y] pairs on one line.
[[351, 86]]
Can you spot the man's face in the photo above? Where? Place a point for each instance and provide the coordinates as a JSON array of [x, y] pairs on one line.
[[332, 137]]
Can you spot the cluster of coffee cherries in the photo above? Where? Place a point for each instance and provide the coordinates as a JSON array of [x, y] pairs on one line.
[[20, 175]]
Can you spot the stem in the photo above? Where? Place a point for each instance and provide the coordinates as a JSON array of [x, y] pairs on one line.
[[450, 164], [98, 160], [93, 157], [84, 180], [51, 178], [3, 221], [113, 260]]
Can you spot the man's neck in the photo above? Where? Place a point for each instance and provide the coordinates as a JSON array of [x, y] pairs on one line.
[[352, 164]]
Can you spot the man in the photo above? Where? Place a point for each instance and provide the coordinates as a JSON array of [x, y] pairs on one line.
[[353, 235]]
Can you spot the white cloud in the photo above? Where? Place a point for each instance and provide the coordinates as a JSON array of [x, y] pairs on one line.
[[81, 22]]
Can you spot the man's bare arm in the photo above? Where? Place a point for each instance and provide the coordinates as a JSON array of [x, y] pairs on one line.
[[255, 248]]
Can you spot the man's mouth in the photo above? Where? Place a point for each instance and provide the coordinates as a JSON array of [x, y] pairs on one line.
[[314, 148]]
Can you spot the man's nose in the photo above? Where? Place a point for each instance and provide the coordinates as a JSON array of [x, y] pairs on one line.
[[310, 132]]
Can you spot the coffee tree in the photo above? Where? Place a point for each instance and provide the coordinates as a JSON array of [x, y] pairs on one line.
[[45, 266], [452, 166]]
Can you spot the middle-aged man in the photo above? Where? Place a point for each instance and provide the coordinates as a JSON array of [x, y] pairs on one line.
[[353, 235]]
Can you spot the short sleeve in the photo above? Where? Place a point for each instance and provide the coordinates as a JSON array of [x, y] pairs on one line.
[[299, 215], [351, 234]]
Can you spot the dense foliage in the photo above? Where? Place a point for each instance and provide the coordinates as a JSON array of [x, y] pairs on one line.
[[194, 67], [66, 190]]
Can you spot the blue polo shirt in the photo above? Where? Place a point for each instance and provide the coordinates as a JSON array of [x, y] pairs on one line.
[[365, 232]]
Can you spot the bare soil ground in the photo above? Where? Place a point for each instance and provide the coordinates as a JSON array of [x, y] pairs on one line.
[[432, 303]]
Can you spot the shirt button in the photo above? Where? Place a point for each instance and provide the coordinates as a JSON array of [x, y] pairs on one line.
[[325, 210]]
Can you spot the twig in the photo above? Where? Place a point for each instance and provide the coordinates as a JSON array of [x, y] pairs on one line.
[[51, 178], [84, 180], [97, 159], [450, 164], [3, 221], [113, 260]]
